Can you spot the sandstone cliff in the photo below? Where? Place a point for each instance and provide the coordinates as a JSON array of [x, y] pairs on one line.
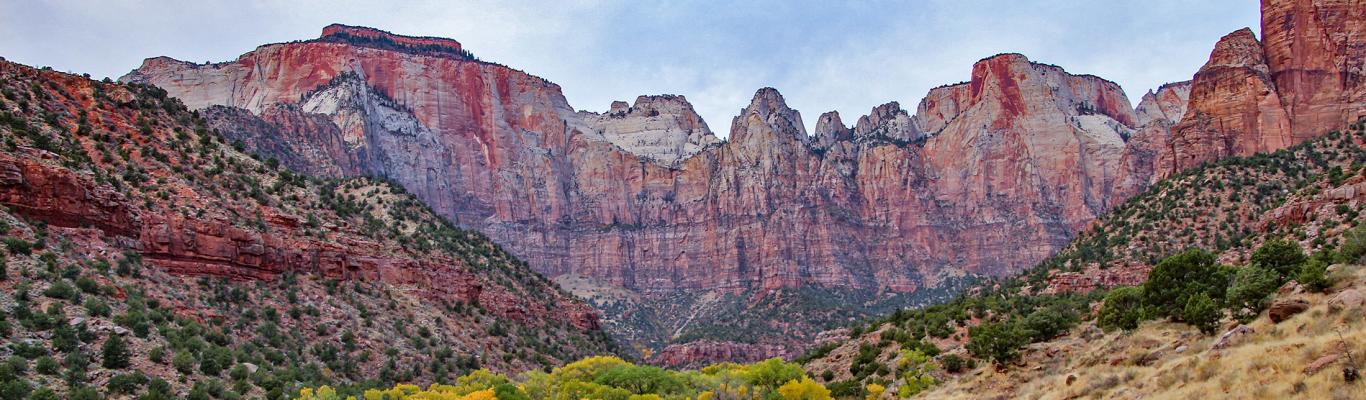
[[1302, 80], [987, 176]]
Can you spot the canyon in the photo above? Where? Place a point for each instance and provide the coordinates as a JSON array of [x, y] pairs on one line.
[[986, 177]]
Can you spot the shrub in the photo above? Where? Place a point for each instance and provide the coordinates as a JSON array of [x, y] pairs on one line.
[[998, 341], [1201, 312], [1252, 288], [1279, 255], [1313, 274], [1123, 309], [60, 290], [183, 362], [126, 383], [952, 363], [1049, 322], [114, 353], [46, 365], [1175, 279], [1353, 247]]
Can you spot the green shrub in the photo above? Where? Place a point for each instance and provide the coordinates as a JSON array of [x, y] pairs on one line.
[[46, 365], [61, 290], [126, 383], [1201, 312], [1050, 321], [1279, 255], [183, 362], [1252, 288], [998, 341], [952, 363], [1353, 246], [1175, 279], [1123, 309], [115, 353], [43, 393], [1313, 274]]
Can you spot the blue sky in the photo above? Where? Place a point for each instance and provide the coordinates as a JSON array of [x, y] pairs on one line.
[[822, 55]]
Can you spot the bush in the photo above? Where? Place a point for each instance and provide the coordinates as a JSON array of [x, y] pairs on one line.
[[126, 383], [998, 341], [1353, 247], [1123, 309], [1049, 322], [183, 362], [1201, 311], [1175, 279], [61, 290], [1279, 255], [47, 366], [1313, 274], [952, 363], [1252, 288], [114, 353]]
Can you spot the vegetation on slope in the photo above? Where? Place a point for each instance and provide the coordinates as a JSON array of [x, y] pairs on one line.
[[84, 316], [610, 378], [1228, 207]]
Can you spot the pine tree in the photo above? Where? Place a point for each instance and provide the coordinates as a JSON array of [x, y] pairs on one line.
[[115, 353]]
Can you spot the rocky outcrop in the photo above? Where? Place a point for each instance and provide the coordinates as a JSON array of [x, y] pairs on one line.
[[1304, 79], [702, 353], [1234, 107], [1148, 147], [664, 129]]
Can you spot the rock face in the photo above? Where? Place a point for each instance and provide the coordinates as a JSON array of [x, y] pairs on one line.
[[1302, 80], [664, 129], [702, 353], [987, 176], [1024, 150]]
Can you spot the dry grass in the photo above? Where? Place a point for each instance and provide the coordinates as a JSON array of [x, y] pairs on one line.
[[1146, 364]]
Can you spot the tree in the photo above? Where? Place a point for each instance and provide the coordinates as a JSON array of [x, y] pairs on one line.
[[773, 372], [1279, 255], [998, 341], [115, 353], [874, 391], [803, 389], [1201, 312], [916, 376], [1175, 279], [1313, 274], [1252, 288], [1050, 321], [1353, 247], [1123, 309]]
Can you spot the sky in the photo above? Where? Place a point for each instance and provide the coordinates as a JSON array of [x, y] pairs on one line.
[[847, 56]]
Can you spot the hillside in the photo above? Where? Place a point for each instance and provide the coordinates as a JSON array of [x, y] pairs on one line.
[[1311, 194], [146, 255]]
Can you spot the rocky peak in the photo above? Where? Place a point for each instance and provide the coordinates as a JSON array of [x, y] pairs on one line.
[[767, 117], [663, 128], [1168, 103], [1237, 49], [371, 37], [830, 129], [887, 121]]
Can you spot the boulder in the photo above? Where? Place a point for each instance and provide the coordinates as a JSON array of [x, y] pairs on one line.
[[1282, 310], [1320, 364], [1346, 299], [1233, 337]]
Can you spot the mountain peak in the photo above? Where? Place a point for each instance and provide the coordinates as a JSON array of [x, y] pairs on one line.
[[769, 107], [380, 39]]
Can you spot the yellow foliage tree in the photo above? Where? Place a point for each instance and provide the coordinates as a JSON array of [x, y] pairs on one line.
[[803, 389], [875, 391]]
